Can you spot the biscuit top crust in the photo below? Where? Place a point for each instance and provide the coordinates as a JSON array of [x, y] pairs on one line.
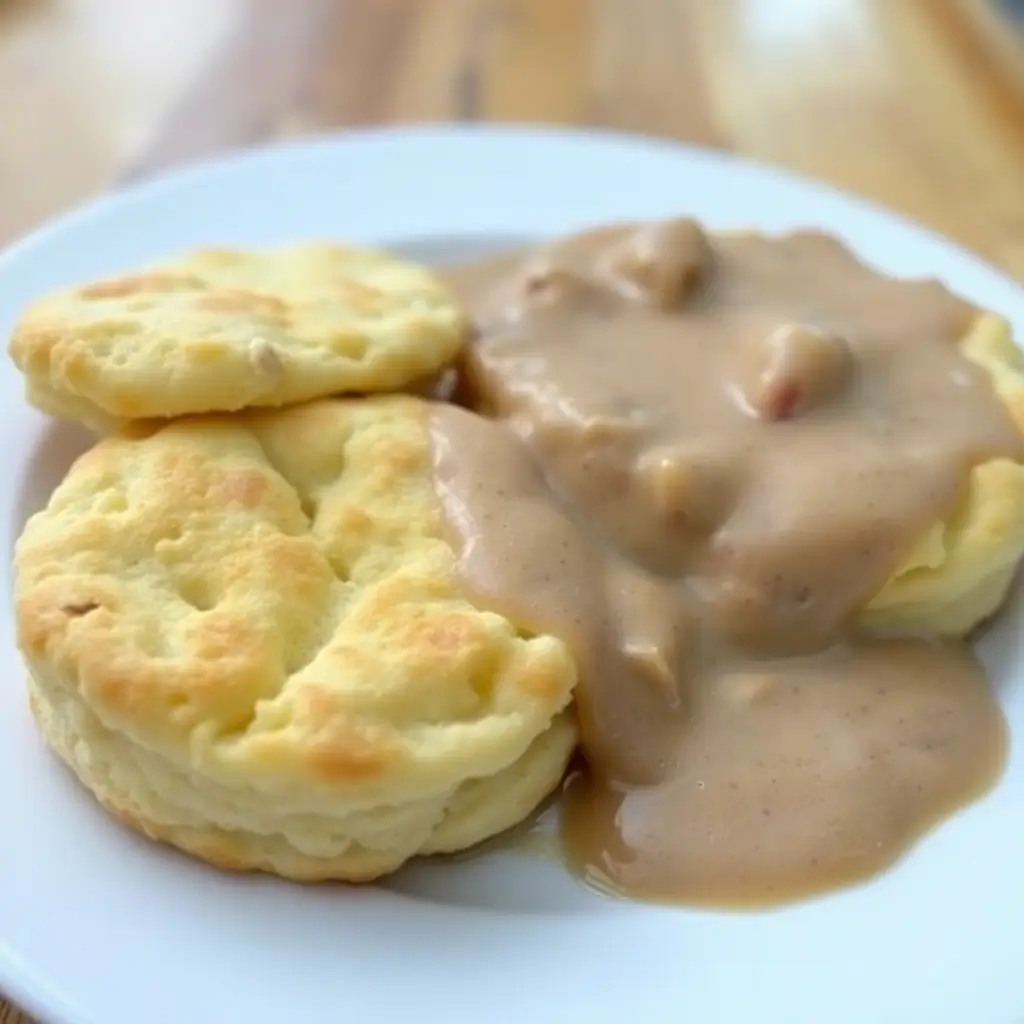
[[222, 329], [270, 596]]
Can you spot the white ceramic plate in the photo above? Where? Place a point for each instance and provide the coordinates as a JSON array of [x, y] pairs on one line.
[[98, 927]]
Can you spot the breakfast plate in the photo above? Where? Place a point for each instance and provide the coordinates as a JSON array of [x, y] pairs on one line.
[[100, 927]]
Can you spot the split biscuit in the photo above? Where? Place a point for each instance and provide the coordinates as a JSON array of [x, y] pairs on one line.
[[958, 574], [225, 329], [247, 637]]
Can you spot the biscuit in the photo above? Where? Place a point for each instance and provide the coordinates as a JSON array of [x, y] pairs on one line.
[[247, 638], [223, 330], [959, 573]]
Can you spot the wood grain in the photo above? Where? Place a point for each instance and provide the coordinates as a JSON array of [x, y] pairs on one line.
[[918, 104]]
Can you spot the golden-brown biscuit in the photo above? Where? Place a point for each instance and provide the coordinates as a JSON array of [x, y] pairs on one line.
[[959, 572], [246, 636], [222, 330]]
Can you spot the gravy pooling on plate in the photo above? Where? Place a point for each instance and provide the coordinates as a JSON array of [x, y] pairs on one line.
[[705, 456]]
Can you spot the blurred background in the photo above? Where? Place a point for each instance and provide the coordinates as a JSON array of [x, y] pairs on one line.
[[916, 103]]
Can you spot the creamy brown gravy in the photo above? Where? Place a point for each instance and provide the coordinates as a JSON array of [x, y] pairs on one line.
[[702, 458]]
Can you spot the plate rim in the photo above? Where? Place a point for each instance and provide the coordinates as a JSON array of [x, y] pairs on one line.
[[441, 132]]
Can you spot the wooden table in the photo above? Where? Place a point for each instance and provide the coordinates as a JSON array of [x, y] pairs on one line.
[[916, 103]]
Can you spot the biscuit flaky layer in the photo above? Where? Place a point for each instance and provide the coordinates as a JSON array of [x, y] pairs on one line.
[[246, 636], [959, 572], [222, 330]]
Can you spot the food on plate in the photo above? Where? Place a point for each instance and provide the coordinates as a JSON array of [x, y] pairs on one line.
[[247, 637], [721, 509], [227, 329], [760, 489]]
